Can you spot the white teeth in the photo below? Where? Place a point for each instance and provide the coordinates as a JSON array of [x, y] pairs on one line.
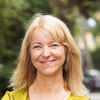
[[47, 62]]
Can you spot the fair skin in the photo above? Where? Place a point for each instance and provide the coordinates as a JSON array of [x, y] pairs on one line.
[[48, 57]]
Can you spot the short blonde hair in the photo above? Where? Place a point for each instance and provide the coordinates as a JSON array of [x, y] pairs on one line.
[[72, 72]]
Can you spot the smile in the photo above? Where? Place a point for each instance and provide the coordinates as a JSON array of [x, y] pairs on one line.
[[47, 62]]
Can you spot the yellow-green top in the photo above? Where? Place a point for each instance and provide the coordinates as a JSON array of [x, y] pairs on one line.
[[23, 95]]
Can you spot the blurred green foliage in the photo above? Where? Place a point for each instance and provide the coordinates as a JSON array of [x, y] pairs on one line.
[[72, 12], [96, 57], [96, 52], [96, 32], [11, 27], [5, 73]]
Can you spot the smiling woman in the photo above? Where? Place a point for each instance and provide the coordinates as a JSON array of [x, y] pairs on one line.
[[47, 55], [49, 67]]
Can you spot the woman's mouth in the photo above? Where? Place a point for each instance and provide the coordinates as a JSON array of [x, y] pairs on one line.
[[47, 61]]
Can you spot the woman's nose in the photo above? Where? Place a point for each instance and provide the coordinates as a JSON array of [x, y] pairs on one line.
[[46, 52]]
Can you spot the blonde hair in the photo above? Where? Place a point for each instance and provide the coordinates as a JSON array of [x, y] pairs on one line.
[[72, 72]]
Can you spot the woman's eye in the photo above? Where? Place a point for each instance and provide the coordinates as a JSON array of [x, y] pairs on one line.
[[36, 47], [54, 45]]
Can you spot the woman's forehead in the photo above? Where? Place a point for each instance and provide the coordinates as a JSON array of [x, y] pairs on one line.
[[40, 32]]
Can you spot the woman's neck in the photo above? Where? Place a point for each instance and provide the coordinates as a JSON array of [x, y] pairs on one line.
[[48, 88], [47, 84]]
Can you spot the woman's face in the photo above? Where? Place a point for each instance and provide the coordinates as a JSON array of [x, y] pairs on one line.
[[47, 55]]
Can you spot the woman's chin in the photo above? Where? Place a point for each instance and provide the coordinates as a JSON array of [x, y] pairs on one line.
[[50, 72]]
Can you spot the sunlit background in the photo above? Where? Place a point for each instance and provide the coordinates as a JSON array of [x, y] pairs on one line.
[[82, 18]]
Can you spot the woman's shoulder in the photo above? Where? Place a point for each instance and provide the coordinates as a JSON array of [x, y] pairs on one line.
[[20, 92], [16, 95], [75, 97]]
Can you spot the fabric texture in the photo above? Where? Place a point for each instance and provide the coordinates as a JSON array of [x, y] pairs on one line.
[[23, 95]]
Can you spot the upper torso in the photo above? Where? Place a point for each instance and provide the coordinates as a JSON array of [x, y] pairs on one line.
[[23, 95]]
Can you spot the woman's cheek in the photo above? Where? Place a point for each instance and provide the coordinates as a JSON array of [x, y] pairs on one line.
[[35, 55]]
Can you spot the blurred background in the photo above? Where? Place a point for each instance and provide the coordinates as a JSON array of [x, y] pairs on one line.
[[82, 18]]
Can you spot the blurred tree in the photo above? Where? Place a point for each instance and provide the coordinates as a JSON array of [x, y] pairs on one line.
[[96, 57], [96, 32], [95, 13], [5, 73], [71, 12], [10, 28]]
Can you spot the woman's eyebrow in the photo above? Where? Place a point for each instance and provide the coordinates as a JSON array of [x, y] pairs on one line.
[[36, 43], [40, 43], [52, 41]]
